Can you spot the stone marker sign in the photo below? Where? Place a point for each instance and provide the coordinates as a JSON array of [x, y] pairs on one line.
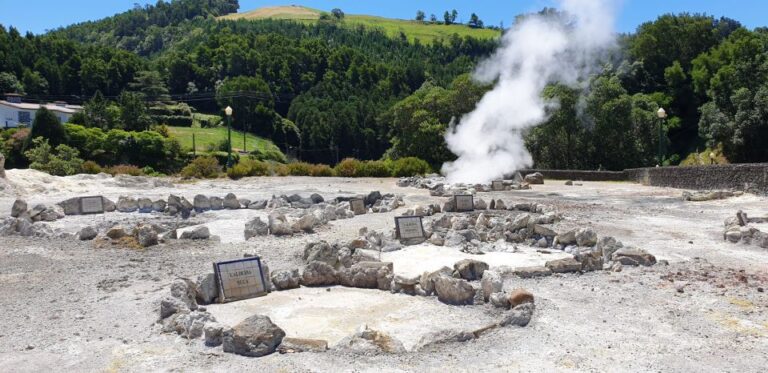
[[409, 228], [240, 279], [497, 185], [92, 205], [357, 205], [464, 202]]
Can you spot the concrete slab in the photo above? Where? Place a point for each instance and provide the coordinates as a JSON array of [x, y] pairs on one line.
[[317, 313]]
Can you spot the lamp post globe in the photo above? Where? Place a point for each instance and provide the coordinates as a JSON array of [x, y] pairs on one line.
[[662, 114], [228, 112]]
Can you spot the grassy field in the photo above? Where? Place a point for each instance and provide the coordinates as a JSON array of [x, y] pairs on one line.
[[426, 33], [206, 136]]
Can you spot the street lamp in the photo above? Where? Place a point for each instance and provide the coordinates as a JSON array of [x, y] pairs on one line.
[[662, 114], [228, 111]]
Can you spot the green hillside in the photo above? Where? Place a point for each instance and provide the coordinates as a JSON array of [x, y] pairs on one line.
[[212, 137], [425, 32]]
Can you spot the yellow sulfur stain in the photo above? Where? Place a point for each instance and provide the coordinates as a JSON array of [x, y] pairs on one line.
[[742, 303]]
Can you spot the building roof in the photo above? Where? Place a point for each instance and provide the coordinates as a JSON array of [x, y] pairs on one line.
[[66, 109]]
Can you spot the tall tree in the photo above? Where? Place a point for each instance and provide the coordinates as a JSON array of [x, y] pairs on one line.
[[47, 126], [420, 16], [151, 84]]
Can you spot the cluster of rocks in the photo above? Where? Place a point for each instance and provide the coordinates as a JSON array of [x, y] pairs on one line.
[[30, 222], [700, 196], [143, 234], [741, 228], [439, 187]]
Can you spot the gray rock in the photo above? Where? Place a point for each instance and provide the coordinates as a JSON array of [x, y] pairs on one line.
[[244, 202], [145, 205], [499, 299], [367, 275], [500, 205], [590, 260], [480, 204], [519, 316], [116, 232], [159, 205], [72, 206], [586, 237], [543, 230], [454, 291], [201, 203], [205, 289], [255, 336], [306, 223], [146, 236], [127, 204], [427, 280], [214, 334], [370, 341], [319, 274], [287, 279], [258, 205], [197, 233], [216, 203], [278, 225], [534, 178], [19, 207], [321, 251], [491, 283], [109, 206], [372, 198], [170, 306], [564, 265], [231, 202], [2, 166], [633, 256], [255, 227], [316, 198], [88, 233], [470, 269], [607, 246], [184, 290]]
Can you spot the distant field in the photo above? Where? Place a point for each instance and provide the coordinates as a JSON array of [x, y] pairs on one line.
[[393, 27], [206, 136]]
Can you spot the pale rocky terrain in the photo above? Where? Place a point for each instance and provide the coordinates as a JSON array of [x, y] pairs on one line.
[[71, 305]]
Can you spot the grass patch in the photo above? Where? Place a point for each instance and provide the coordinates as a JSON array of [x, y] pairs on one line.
[[425, 32], [206, 136]]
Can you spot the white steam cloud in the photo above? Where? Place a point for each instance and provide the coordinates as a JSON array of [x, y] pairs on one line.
[[537, 51]]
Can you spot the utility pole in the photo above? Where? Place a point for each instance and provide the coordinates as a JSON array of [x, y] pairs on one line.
[[194, 147]]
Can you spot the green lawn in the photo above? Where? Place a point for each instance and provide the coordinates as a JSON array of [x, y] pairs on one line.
[[206, 136], [412, 29]]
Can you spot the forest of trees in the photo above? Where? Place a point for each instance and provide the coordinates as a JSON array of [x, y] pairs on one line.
[[330, 91]]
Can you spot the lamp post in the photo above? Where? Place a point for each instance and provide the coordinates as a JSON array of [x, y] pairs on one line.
[[228, 111], [662, 114]]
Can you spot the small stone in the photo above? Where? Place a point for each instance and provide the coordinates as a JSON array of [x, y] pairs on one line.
[[197, 233], [88, 233]]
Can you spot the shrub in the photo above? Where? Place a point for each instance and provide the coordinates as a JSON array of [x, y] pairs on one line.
[[410, 166], [279, 169], [320, 170], [271, 154], [61, 161], [347, 167], [238, 171], [256, 168], [299, 169], [125, 169], [374, 169], [162, 130], [90, 167], [202, 168], [221, 157]]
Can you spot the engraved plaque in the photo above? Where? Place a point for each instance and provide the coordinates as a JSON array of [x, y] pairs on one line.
[[409, 227], [497, 185], [464, 202], [357, 206], [92, 205], [240, 279]]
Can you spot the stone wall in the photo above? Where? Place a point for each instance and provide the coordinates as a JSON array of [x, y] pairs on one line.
[[579, 175], [747, 177]]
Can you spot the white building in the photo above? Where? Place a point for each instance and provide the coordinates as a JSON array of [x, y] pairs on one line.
[[14, 113]]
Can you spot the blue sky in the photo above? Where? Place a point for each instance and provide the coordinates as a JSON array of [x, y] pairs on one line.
[[39, 15]]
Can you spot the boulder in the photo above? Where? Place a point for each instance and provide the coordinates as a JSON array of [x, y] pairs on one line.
[[491, 283], [534, 178], [127, 204], [286, 279], [480, 204], [116, 232], [521, 221], [321, 251], [586, 237], [531, 272], [197, 233], [159, 205], [278, 225], [564, 265], [109, 206], [519, 316], [590, 260], [543, 230], [291, 345], [499, 299], [214, 334], [470, 269], [206, 290], [255, 227], [372, 198], [88, 233], [72, 206], [255, 336], [145, 205], [454, 291], [201, 203], [319, 274], [231, 202], [607, 246], [306, 223], [499, 205], [567, 238], [633, 256], [519, 296], [258, 205], [19, 207], [316, 198], [367, 275], [216, 203], [146, 236], [427, 280]]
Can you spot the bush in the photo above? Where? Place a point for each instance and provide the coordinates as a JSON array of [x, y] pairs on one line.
[[410, 166], [238, 171], [299, 169], [202, 168], [271, 154], [347, 167], [280, 169], [125, 169], [163, 130], [61, 161], [90, 167], [221, 157], [320, 170], [248, 167], [374, 169]]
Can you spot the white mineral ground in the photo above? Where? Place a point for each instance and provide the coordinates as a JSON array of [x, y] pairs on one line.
[[70, 306]]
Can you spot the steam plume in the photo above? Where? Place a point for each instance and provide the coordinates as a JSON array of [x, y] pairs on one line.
[[539, 50]]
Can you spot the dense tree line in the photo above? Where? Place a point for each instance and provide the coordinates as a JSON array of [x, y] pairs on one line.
[[328, 92]]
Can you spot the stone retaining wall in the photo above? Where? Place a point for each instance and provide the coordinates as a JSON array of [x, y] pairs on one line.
[[747, 177]]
